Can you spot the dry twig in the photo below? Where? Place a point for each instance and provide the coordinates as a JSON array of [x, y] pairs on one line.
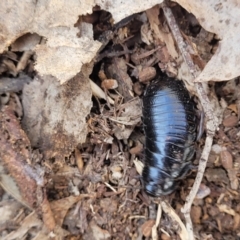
[[155, 226], [211, 125], [182, 231]]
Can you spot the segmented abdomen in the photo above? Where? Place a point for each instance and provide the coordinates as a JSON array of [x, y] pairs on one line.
[[170, 123]]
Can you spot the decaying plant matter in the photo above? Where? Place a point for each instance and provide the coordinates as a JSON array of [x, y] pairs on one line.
[[70, 116]]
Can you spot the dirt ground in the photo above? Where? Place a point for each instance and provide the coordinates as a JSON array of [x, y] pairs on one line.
[[93, 190]]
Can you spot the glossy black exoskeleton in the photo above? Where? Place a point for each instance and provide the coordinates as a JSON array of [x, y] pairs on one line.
[[170, 126]]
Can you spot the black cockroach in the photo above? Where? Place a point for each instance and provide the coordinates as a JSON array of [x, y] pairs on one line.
[[170, 126]]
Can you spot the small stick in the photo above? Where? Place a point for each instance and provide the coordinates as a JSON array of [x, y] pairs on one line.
[[108, 185], [211, 121], [155, 226], [182, 231]]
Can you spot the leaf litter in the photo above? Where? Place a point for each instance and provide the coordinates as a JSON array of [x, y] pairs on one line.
[[79, 152]]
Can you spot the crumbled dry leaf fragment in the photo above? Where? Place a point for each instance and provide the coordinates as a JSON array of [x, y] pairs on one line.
[[196, 214], [97, 233], [54, 114], [230, 121], [221, 18], [162, 35], [128, 118], [233, 107], [118, 70], [146, 74], [146, 228], [8, 210], [31, 221], [60, 207], [137, 149], [216, 175], [226, 159]]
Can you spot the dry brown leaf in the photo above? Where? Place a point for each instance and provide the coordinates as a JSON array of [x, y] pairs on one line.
[[109, 205], [46, 213], [61, 207], [221, 18], [64, 53], [54, 117]]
